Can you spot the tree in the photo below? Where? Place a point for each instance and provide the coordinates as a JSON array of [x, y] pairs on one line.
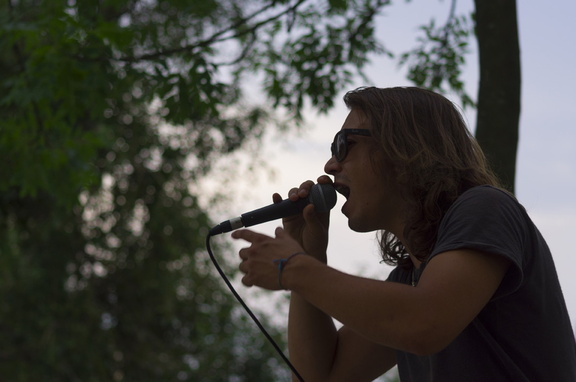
[[112, 111], [436, 63], [500, 82]]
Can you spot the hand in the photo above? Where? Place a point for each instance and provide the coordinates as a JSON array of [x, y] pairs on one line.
[[309, 229], [258, 260]]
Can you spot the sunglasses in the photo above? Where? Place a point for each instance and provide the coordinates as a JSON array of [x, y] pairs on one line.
[[339, 147]]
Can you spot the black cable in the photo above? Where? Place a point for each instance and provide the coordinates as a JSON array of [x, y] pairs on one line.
[[250, 313]]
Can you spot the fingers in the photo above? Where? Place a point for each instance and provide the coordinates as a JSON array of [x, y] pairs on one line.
[[276, 198], [243, 253], [325, 179], [313, 218], [248, 235], [259, 259], [255, 237], [279, 232], [301, 192], [246, 281], [244, 266], [257, 263]]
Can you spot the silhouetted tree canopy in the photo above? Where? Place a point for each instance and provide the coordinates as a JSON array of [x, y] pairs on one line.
[[112, 112]]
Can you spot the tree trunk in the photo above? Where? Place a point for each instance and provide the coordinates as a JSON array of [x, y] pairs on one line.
[[498, 116]]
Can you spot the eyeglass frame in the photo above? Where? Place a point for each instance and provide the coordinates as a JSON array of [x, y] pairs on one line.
[[341, 135]]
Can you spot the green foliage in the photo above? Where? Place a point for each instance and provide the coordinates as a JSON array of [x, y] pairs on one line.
[[66, 65], [111, 113], [436, 63], [319, 59], [46, 94], [119, 287]]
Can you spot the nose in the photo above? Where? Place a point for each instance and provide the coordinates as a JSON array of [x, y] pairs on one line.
[[332, 167]]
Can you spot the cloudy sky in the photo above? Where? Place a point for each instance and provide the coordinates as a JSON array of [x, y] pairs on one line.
[[546, 173]]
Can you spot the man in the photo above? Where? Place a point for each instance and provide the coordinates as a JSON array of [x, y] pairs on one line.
[[474, 295]]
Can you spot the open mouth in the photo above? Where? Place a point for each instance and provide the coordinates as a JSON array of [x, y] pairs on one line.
[[343, 190]]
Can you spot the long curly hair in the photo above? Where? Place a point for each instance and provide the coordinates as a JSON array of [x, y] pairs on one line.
[[431, 155]]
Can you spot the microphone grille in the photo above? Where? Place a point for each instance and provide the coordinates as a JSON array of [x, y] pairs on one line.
[[323, 197]]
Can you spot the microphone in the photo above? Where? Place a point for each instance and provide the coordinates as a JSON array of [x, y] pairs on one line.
[[322, 196]]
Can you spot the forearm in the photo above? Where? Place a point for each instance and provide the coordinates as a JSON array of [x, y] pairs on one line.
[[312, 339], [454, 289], [321, 353], [364, 305]]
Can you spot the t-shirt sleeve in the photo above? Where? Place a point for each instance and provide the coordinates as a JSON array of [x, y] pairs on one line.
[[489, 220]]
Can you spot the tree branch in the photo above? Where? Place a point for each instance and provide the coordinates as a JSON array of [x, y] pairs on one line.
[[219, 36]]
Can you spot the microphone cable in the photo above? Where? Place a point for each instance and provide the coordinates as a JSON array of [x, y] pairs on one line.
[[249, 311]]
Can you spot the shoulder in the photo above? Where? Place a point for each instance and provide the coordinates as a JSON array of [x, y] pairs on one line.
[[485, 212], [484, 204], [486, 194], [490, 220]]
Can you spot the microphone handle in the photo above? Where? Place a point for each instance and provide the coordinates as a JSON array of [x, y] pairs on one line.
[[274, 211]]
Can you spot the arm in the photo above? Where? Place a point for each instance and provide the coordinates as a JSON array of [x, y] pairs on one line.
[[312, 339], [378, 316], [422, 320], [320, 353], [317, 349], [453, 289]]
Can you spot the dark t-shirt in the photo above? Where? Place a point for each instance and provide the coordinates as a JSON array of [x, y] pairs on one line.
[[524, 332]]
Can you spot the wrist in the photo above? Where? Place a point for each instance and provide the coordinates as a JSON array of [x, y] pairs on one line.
[[295, 271], [282, 263]]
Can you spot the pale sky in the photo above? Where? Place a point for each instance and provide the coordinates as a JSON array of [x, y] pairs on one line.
[[546, 172]]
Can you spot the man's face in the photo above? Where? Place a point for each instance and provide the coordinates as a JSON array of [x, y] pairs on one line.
[[372, 202]]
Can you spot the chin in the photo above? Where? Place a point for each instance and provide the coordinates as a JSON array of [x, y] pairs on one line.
[[361, 227]]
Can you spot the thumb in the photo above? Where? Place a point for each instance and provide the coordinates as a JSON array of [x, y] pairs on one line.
[[312, 217], [279, 232]]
